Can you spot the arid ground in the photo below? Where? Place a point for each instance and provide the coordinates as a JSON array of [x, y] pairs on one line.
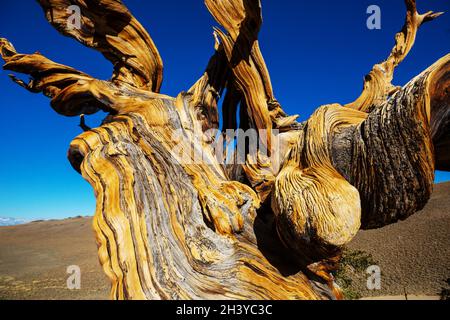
[[413, 256], [34, 258]]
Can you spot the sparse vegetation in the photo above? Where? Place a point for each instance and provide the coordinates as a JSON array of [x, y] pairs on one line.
[[445, 292], [352, 262]]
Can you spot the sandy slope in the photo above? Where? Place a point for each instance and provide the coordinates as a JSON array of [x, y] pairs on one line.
[[413, 255]]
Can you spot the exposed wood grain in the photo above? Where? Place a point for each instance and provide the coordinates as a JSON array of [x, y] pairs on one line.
[[108, 26], [175, 222], [389, 157], [378, 83]]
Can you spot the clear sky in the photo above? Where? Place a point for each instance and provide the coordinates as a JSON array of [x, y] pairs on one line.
[[317, 53]]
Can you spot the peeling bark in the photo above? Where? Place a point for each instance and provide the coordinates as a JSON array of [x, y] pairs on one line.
[[378, 83]]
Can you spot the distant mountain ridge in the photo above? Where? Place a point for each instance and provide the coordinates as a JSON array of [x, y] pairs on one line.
[[6, 221]]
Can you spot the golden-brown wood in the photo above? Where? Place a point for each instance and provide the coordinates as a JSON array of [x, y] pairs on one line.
[[378, 83], [173, 221]]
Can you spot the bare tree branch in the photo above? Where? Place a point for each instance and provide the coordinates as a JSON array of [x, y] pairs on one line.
[[378, 83], [174, 222], [108, 26]]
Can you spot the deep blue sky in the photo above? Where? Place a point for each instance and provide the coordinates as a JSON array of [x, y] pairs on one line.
[[317, 53]]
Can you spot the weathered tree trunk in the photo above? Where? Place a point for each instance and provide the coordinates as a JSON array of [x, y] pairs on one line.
[[173, 221]]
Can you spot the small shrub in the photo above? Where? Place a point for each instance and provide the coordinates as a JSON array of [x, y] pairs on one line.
[[352, 262]]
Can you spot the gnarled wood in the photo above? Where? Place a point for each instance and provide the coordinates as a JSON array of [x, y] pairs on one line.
[[378, 83], [175, 222], [389, 157], [108, 26]]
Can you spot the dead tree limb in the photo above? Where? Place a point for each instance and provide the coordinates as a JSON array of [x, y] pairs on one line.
[[174, 222]]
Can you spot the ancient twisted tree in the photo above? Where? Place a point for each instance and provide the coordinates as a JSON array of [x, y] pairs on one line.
[[176, 221]]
